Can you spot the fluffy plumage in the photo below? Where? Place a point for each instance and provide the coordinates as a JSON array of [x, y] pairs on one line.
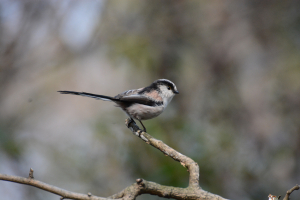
[[141, 104]]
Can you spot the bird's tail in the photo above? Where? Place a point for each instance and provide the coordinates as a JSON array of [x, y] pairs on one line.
[[96, 96]]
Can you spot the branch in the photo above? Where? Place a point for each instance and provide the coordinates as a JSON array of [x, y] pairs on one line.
[[185, 161], [193, 191], [287, 195], [44, 186]]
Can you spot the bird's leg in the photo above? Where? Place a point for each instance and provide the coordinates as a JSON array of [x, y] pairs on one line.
[[131, 120], [143, 126]]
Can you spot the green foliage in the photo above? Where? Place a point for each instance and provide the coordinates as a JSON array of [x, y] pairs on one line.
[[8, 143], [135, 48]]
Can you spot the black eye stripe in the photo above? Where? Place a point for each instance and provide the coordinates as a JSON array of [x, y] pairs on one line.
[[156, 86]]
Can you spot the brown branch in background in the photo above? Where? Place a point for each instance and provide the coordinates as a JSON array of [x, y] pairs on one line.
[[289, 192]]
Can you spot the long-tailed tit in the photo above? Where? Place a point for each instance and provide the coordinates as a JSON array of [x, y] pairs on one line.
[[141, 104]]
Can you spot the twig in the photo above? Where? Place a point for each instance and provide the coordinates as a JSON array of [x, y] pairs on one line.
[[289, 192], [50, 188], [31, 173]]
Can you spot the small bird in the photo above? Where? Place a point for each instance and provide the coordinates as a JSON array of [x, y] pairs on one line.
[[273, 197], [141, 104]]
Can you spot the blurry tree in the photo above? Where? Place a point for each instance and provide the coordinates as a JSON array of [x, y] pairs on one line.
[[236, 64]]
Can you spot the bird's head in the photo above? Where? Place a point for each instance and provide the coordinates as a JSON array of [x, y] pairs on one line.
[[166, 88]]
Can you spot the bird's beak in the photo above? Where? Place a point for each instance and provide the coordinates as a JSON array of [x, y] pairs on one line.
[[176, 92]]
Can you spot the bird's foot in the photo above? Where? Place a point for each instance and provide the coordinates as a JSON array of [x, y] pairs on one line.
[[129, 121]]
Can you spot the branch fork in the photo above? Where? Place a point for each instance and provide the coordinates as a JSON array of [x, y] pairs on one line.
[[141, 186]]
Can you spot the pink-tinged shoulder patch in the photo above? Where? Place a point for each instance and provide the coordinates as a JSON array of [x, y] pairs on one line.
[[154, 95]]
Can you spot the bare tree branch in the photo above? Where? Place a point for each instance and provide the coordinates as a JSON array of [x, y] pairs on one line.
[[50, 188], [193, 191], [289, 192], [187, 162]]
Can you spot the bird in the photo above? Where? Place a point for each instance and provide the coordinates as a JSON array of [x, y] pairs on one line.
[[273, 197], [140, 104]]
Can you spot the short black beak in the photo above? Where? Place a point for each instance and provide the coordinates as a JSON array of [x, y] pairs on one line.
[[176, 92]]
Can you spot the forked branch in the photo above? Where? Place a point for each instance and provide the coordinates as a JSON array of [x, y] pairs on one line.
[[289, 192], [193, 191]]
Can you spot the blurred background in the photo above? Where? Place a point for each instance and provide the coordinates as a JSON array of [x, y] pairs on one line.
[[236, 65]]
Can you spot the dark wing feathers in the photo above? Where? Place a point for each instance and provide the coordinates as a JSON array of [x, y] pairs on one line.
[[140, 99], [130, 99]]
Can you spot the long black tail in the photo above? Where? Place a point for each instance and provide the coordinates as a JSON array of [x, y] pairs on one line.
[[96, 96]]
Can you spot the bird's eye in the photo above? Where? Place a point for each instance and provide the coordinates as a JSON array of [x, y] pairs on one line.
[[169, 88]]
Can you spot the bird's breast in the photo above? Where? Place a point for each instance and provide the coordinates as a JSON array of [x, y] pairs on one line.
[[144, 112]]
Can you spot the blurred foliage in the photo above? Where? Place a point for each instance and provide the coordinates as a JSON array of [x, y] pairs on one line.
[[235, 63], [8, 144]]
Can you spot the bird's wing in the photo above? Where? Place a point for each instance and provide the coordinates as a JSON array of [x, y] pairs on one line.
[[128, 92], [140, 99]]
